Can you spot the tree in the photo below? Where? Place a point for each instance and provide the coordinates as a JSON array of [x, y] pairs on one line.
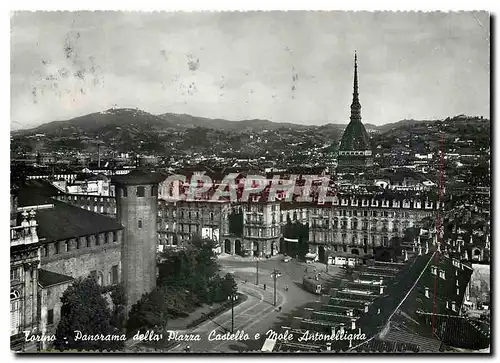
[[85, 309], [191, 277], [228, 285], [149, 312], [119, 302]]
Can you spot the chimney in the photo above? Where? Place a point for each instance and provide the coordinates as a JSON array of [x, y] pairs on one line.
[[381, 289], [406, 256], [456, 283], [353, 324], [329, 346], [453, 306], [427, 248], [458, 291], [381, 281], [420, 250], [99, 156], [426, 292], [434, 270], [378, 311], [447, 304], [366, 308]]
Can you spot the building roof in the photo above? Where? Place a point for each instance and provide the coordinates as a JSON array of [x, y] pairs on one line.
[[138, 177], [65, 221], [355, 137], [49, 278]]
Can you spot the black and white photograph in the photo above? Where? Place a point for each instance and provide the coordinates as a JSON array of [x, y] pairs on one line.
[[254, 182]]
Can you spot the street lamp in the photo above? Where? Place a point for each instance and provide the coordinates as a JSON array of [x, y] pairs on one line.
[[257, 282], [327, 250], [232, 297], [275, 275]]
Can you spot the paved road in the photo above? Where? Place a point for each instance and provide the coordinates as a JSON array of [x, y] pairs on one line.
[[257, 314], [247, 318]]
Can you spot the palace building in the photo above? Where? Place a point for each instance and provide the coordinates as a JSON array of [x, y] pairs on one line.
[[349, 229]]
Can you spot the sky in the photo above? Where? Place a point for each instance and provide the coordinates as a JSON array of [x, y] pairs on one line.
[[281, 66]]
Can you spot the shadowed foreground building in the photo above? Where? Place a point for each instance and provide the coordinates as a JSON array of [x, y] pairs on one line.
[[53, 243], [411, 305]]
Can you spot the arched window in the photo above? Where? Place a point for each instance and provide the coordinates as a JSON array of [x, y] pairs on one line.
[[14, 294], [100, 278]]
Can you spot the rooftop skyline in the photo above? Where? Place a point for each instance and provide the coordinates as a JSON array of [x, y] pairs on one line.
[[282, 66]]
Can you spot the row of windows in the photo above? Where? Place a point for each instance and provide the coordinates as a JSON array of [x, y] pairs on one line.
[[100, 209], [82, 242], [183, 214], [383, 203], [348, 213], [113, 277], [140, 191], [262, 232], [86, 197], [365, 240], [365, 213], [354, 224]]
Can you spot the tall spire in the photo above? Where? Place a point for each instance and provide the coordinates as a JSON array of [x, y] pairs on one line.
[[355, 106]]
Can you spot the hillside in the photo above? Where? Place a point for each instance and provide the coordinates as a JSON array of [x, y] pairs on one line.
[[95, 122]]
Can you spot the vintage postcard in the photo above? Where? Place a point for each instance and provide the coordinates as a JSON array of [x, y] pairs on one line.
[[250, 182]]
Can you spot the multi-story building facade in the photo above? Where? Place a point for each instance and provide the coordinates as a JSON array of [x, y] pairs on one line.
[[261, 228], [53, 243], [349, 228], [178, 221], [24, 265]]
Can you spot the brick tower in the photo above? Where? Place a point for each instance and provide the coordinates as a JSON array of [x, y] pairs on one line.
[[136, 209]]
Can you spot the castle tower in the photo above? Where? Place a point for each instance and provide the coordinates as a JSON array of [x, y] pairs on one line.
[[354, 149], [136, 209]]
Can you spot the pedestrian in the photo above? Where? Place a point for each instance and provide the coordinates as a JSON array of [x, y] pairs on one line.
[[286, 287], [264, 286]]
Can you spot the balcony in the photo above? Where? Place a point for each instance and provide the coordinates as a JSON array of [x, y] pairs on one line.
[[26, 232]]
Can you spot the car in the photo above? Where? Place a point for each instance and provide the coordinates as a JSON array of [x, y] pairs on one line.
[[287, 259]]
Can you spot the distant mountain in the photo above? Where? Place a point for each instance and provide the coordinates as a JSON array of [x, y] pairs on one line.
[[95, 121], [188, 121], [111, 119]]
